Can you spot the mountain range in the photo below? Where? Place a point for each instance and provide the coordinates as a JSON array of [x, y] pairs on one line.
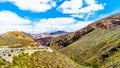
[[44, 38], [95, 46]]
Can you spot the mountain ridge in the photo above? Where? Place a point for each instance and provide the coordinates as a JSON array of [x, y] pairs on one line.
[[66, 39]]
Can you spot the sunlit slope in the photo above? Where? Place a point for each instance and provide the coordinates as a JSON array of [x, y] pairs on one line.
[[96, 47], [16, 39], [42, 59], [19, 35]]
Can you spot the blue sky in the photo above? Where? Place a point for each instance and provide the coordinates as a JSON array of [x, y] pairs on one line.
[[38, 16]]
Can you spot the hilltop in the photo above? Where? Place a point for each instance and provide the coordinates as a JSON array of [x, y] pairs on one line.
[[16, 39], [20, 35]]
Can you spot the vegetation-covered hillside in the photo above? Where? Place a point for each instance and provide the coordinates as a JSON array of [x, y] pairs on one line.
[[19, 35], [42, 60], [64, 40], [16, 39], [97, 45], [95, 48]]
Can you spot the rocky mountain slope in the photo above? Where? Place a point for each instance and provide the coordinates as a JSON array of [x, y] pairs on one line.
[[96, 45], [66, 39], [95, 48]]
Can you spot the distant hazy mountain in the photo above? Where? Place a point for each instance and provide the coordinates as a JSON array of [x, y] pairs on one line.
[[44, 38], [58, 33], [43, 35]]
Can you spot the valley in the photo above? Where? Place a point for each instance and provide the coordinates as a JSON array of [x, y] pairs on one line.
[[97, 45], [59, 33]]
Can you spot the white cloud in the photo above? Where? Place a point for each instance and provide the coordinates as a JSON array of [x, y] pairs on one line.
[[91, 8], [52, 24], [11, 21], [7, 17], [90, 2], [55, 24], [24, 28], [33, 5], [75, 7], [71, 6], [78, 15], [78, 25]]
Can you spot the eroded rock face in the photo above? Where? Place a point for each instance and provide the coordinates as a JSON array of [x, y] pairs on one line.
[[66, 39]]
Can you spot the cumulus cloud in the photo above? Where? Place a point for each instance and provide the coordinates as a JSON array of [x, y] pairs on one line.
[[11, 21], [77, 9], [24, 28], [71, 6], [55, 24], [8, 17], [33, 5], [90, 2]]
